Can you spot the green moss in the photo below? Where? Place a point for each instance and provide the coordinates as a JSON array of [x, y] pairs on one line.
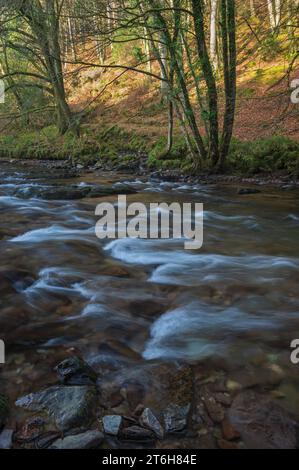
[[264, 156], [47, 144], [175, 159], [119, 148]]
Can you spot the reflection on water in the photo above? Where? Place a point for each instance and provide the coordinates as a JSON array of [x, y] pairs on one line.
[[62, 289]]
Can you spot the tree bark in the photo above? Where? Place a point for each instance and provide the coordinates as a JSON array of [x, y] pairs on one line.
[[198, 15], [213, 33], [229, 64]]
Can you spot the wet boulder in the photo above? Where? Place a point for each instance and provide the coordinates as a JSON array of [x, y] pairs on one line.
[[68, 407], [175, 417], [75, 371]]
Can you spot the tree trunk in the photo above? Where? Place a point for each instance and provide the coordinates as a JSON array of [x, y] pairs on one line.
[[271, 14], [213, 34], [229, 62], [198, 14], [45, 23]]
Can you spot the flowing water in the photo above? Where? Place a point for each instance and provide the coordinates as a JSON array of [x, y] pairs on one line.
[[118, 303]]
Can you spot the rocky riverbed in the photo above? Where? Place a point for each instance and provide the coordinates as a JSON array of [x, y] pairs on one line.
[[199, 407], [137, 343]]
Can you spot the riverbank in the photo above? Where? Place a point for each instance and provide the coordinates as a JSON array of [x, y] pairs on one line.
[[273, 161], [139, 167]]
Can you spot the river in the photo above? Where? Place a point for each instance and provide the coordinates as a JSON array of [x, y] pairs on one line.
[[129, 302]]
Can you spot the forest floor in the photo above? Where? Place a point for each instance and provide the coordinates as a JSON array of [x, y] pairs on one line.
[[132, 101], [126, 124]]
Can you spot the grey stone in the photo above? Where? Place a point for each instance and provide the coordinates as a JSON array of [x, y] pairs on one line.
[[111, 424], [149, 420], [86, 440], [75, 371], [175, 417], [6, 439], [67, 406]]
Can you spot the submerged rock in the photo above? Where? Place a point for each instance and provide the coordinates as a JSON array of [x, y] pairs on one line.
[[175, 417], [69, 407], [122, 189], [112, 424], [53, 193], [87, 440], [249, 191], [71, 192], [146, 308], [250, 376], [75, 371], [214, 409], [149, 420], [15, 280], [262, 423], [133, 392], [228, 430]]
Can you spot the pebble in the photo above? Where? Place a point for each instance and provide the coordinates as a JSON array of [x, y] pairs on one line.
[[112, 424]]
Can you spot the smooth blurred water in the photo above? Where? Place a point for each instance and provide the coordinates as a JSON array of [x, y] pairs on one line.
[[69, 291]]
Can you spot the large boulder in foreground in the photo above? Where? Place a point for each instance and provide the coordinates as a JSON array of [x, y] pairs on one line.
[[262, 423], [68, 407]]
